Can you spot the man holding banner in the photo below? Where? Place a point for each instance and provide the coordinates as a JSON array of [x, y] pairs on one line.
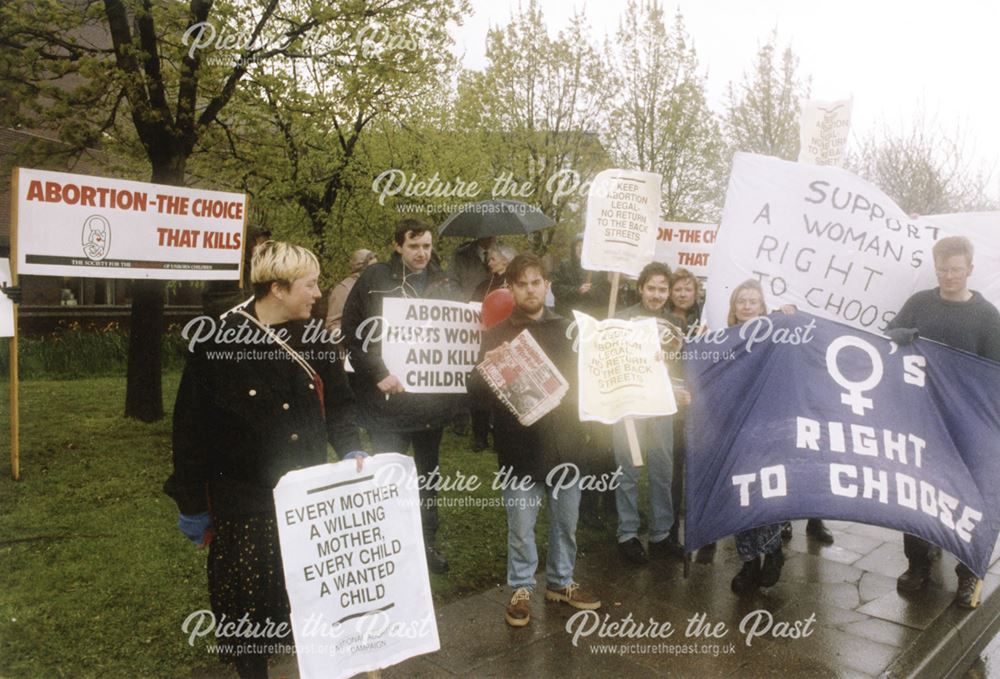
[[958, 317], [656, 438], [395, 418], [537, 460]]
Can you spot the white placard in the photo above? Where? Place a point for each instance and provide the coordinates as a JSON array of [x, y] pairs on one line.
[[98, 227], [623, 217], [6, 306], [621, 370], [832, 244], [431, 345], [355, 568], [823, 130], [682, 245]]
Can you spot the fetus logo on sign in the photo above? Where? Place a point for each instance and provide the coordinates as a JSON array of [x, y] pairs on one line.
[[96, 237]]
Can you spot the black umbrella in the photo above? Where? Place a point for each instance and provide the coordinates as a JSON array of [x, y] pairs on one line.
[[495, 218]]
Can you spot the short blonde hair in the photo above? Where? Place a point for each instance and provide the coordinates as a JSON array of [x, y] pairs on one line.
[[749, 284], [279, 262]]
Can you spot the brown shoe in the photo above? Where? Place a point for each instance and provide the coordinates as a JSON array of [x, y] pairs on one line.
[[518, 612], [575, 596]]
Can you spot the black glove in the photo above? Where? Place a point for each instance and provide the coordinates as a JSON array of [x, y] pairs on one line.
[[12, 291], [902, 336]]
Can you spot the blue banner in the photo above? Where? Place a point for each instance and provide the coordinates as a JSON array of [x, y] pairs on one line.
[[794, 416]]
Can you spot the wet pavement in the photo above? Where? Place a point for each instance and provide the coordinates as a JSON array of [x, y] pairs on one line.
[[834, 613]]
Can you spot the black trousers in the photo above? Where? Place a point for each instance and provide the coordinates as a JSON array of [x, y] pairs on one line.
[[918, 552], [426, 453]]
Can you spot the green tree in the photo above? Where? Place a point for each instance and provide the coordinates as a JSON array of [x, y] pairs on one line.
[[660, 120], [160, 78], [762, 111], [536, 112]]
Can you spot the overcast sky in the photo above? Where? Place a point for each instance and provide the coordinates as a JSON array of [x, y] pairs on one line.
[[892, 56]]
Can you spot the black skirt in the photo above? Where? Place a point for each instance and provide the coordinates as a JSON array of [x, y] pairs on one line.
[[246, 586]]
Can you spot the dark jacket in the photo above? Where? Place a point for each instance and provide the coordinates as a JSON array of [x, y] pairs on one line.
[[555, 438], [401, 412], [466, 270], [566, 282], [246, 414], [494, 282]]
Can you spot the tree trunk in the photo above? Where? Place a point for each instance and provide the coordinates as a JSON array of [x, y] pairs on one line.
[[144, 388], [144, 391]]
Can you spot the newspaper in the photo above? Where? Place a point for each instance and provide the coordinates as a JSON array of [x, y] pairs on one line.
[[524, 379]]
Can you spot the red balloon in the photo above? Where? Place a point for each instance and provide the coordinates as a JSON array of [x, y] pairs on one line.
[[497, 306]]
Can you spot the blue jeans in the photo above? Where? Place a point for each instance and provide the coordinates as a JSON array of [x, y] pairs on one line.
[[522, 555], [656, 440]]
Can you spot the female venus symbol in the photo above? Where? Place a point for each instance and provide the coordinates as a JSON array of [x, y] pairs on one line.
[[855, 390]]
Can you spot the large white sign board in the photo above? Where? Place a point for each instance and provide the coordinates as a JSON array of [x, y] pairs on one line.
[[832, 244], [355, 569], [98, 227]]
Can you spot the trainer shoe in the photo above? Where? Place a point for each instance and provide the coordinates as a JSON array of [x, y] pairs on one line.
[[518, 613], [748, 579], [969, 589], [915, 578], [632, 550], [818, 532], [770, 572], [575, 596]]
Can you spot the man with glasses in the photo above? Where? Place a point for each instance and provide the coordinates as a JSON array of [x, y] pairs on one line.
[[954, 315]]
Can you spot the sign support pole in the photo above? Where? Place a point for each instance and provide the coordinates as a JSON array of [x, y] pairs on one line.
[[633, 439]]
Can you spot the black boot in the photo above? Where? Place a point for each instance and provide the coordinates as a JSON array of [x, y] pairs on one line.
[[818, 532], [771, 571], [706, 554], [748, 579]]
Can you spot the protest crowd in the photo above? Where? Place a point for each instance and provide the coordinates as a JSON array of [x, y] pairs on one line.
[[239, 425]]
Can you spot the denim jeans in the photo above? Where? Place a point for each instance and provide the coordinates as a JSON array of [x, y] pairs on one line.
[[522, 554], [656, 440]]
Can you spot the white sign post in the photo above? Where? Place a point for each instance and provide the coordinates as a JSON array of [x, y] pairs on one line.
[[832, 244], [98, 227], [355, 569], [823, 130], [431, 345]]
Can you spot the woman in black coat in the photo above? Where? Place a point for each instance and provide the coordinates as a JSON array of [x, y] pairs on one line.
[[255, 402]]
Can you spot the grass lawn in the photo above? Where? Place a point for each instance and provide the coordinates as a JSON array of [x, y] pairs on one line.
[[96, 577]]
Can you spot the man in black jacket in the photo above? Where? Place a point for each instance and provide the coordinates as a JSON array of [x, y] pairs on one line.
[[954, 315], [533, 459], [395, 418]]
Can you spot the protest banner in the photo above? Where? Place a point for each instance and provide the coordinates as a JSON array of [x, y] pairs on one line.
[[353, 556], [826, 241], [99, 227], [813, 419], [623, 214], [823, 130], [621, 370], [431, 345], [683, 245]]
